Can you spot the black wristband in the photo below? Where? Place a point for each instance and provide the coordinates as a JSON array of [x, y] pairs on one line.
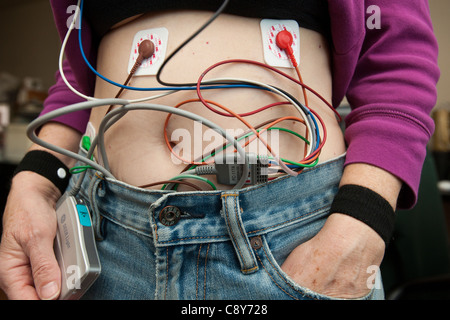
[[48, 166], [367, 206]]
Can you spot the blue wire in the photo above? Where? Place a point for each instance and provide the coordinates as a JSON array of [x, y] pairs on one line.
[[171, 88], [146, 89], [317, 130]]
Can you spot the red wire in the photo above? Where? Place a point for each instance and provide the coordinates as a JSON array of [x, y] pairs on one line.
[[272, 124], [222, 107], [264, 66], [299, 82], [312, 157], [250, 113], [297, 70]]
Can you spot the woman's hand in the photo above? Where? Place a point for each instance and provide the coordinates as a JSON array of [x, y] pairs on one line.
[[336, 261], [28, 267]]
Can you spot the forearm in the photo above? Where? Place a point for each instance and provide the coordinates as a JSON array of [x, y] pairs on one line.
[[59, 135], [62, 136], [29, 269], [382, 182], [336, 260]]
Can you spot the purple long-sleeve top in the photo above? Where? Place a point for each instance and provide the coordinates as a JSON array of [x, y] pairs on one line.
[[388, 75]]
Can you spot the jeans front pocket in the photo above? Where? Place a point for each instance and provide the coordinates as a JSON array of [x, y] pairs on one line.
[[272, 249]]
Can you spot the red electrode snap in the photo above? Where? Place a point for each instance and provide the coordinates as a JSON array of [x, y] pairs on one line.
[[284, 41]]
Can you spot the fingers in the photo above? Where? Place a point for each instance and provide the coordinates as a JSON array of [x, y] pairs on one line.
[[46, 275], [335, 261], [15, 274], [28, 268], [45, 270]]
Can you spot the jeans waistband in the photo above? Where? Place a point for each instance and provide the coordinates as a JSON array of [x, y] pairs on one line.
[[190, 217]]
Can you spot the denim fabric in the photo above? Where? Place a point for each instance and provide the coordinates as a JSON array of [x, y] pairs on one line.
[[225, 245]]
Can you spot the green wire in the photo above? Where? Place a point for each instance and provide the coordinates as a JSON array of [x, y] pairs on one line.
[[290, 131], [86, 144], [271, 128], [79, 169], [301, 164]]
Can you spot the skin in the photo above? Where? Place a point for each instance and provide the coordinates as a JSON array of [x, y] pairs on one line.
[[28, 268], [334, 262]]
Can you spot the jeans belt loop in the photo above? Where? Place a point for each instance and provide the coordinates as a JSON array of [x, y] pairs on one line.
[[236, 230]]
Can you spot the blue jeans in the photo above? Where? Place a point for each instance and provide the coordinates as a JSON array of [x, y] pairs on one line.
[[207, 244]]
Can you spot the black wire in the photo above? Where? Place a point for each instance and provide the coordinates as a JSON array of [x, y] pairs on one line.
[[195, 34], [210, 20]]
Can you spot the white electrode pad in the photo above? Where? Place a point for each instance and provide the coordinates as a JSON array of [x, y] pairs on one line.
[[273, 55], [150, 66]]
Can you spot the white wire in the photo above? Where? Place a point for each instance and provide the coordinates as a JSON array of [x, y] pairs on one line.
[[269, 87], [307, 123], [139, 100], [40, 121], [31, 130], [63, 76], [61, 56]]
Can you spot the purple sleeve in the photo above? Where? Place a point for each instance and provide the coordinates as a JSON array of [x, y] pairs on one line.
[[60, 96], [392, 92], [75, 70]]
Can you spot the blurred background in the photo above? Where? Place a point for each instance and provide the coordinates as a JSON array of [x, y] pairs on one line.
[[417, 263]]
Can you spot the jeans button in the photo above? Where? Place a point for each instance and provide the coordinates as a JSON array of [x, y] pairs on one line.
[[169, 216], [256, 242]]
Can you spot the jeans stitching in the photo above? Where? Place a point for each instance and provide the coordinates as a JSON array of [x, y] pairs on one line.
[[273, 280], [249, 232], [93, 185], [231, 232], [282, 278], [243, 233], [291, 220], [167, 273], [245, 190], [198, 262], [285, 281], [128, 227], [204, 284]]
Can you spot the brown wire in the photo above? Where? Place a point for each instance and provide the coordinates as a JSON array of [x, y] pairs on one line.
[[172, 181], [146, 50]]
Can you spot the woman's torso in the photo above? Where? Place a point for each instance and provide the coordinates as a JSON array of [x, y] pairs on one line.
[[135, 145]]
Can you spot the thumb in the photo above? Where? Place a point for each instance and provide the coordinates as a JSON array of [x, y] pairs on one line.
[[45, 269]]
